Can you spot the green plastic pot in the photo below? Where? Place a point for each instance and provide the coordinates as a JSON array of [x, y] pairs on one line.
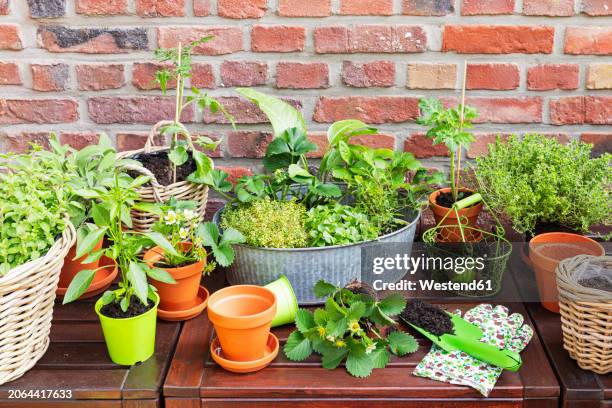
[[132, 340], [286, 302]]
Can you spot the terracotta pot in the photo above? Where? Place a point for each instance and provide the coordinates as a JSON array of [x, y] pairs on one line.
[[73, 266], [545, 253], [470, 213], [242, 316], [183, 294]]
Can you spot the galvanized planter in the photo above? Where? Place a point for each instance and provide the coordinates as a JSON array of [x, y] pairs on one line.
[[338, 264]]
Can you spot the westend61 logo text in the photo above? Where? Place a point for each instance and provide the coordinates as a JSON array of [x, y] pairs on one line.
[[412, 264]]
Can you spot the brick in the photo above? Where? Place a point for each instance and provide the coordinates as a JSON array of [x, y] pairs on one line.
[[297, 75], [47, 8], [143, 75], [599, 76], [432, 76], [301, 8], [9, 74], [202, 76], [226, 40], [160, 8], [10, 38], [331, 40], [100, 77], [370, 74], [489, 39], [92, 40], [135, 141], [128, 110], [422, 147], [101, 8], [236, 173], [277, 38], [588, 40], [555, 8], [240, 9], [5, 7], [243, 111], [366, 7], [598, 110], [250, 144], [602, 142], [375, 110], [427, 7], [22, 142], [201, 8], [478, 7], [546, 77], [568, 110], [49, 77], [480, 146], [493, 76], [596, 7], [79, 140], [388, 39], [243, 73], [507, 110], [15, 111]]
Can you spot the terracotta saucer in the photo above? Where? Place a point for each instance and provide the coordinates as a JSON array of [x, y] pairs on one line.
[[97, 286], [245, 366], [180, 315]]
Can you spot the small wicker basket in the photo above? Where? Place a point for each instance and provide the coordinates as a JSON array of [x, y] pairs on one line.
[[155, 192], [586, 316], [27, 294]]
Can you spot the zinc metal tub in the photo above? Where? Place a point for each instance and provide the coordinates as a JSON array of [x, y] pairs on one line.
[[304, 267]]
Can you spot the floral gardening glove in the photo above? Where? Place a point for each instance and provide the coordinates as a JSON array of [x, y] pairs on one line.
[[457, 367]]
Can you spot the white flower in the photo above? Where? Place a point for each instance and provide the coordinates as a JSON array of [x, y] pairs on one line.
[[189, 215], [370, 348], [170, 217], [183, 233], [331, 338]]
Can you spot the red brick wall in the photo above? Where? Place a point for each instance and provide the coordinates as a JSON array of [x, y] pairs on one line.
[[80, 67]]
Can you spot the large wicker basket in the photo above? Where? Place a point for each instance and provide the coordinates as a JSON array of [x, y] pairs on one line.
[[586, 316], [27, 294], [157, 193]]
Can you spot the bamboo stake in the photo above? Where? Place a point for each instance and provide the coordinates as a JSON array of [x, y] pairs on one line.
[[177, 113], [461, 124]]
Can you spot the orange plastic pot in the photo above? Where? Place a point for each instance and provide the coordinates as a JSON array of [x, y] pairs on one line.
[[545, 253], [73, 266], [242, 316], [469, 215], [183, 294]]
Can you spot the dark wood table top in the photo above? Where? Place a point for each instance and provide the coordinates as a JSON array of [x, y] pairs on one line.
[[77, 360], [579, 388], [194, 380]]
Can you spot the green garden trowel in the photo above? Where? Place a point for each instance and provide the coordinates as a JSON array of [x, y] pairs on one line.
[[467, 339]]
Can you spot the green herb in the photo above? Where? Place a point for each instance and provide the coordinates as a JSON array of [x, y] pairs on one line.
[[181, 225], [540, 180], [448, 126], [337, 224], [269, 224], [348, 329], [180, 71]]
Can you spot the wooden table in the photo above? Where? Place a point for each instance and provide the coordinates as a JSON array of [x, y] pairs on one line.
[[194, 380], [77, 361]]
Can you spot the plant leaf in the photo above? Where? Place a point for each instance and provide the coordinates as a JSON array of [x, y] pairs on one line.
[[401, 343], [162, 242], [380, 357], [333, 356], [304, 320], [160, 275], [138, 278], [322, 289], [358, 363], [393, 304], [297, 347], [78, 285], [89, 242]]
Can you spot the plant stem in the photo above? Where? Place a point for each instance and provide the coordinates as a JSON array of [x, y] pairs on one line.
[[179, 101], [452, 175], [459, 150]]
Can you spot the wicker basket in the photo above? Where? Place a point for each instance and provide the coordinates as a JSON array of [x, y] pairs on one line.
[[586, 316], [155, 192], [27, 293]]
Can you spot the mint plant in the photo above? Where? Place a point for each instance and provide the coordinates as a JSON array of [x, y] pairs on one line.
[[182, 142], [349, 328], [447, 126], [338, 224]]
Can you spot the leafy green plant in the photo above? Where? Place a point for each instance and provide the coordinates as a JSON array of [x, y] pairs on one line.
[[114, 199], [337, 224], [349, 328], [179, 71], [181, 224], [34, 203], [537, 180], [268, 224], [447, 126]]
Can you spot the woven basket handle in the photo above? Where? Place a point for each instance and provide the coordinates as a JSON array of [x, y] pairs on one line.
[[152, 179], [150, 143]]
